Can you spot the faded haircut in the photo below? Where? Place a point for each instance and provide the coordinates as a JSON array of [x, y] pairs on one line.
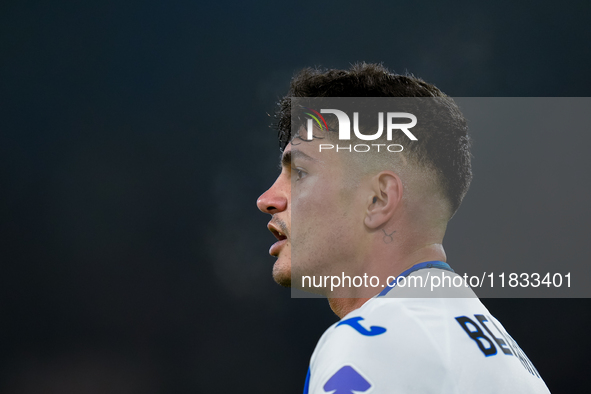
[[443, 145]]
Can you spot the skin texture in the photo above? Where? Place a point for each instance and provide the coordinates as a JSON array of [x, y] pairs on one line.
[[357, 224]]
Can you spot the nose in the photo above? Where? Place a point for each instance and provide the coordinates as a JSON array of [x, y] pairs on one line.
[[275, 199]]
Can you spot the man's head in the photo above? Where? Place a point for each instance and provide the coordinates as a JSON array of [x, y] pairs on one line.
[[345, 202]]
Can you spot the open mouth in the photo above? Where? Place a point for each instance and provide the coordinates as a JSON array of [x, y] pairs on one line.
[[278, 234], [281, 240]]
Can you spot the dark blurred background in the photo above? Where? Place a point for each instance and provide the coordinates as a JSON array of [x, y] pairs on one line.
[[134, 141]]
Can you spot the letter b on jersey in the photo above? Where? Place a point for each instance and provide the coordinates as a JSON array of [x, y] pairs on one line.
[[473, 330]]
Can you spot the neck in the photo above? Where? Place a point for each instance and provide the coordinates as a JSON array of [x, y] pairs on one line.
[[432, 252]]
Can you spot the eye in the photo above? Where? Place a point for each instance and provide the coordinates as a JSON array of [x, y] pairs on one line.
[[299, 173]]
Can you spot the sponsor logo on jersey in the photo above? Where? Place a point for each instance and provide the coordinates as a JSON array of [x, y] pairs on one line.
[[354, 322]]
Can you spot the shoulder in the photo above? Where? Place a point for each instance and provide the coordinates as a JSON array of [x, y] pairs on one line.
[[446, 345], [386, 343]]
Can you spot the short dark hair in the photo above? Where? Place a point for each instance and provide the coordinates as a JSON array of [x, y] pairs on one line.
[[445, 143]]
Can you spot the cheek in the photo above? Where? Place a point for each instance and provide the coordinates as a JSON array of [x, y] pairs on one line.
[[321, 228], [311, 216], [312, 205]]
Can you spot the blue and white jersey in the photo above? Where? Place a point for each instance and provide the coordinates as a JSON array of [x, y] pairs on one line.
[[395, 344]]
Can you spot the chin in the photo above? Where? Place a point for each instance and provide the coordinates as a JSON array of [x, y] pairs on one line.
[[282, 273]]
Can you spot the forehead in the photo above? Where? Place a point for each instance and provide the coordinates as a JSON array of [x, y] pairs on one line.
[[308, 151]]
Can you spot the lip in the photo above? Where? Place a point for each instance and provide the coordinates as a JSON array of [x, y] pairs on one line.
[[281, 239], [276, 247]]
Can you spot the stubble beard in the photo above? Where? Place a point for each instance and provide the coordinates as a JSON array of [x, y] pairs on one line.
[[282, 273]]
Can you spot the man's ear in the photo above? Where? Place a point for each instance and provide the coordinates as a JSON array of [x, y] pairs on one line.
[[385, 200]]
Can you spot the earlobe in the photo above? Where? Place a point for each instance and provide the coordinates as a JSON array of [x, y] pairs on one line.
[[372, 220]]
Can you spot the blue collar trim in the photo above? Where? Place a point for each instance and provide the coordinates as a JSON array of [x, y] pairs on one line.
[[416, 267]]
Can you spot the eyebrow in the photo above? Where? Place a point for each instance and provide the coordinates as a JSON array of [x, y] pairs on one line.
[[294, 153]]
